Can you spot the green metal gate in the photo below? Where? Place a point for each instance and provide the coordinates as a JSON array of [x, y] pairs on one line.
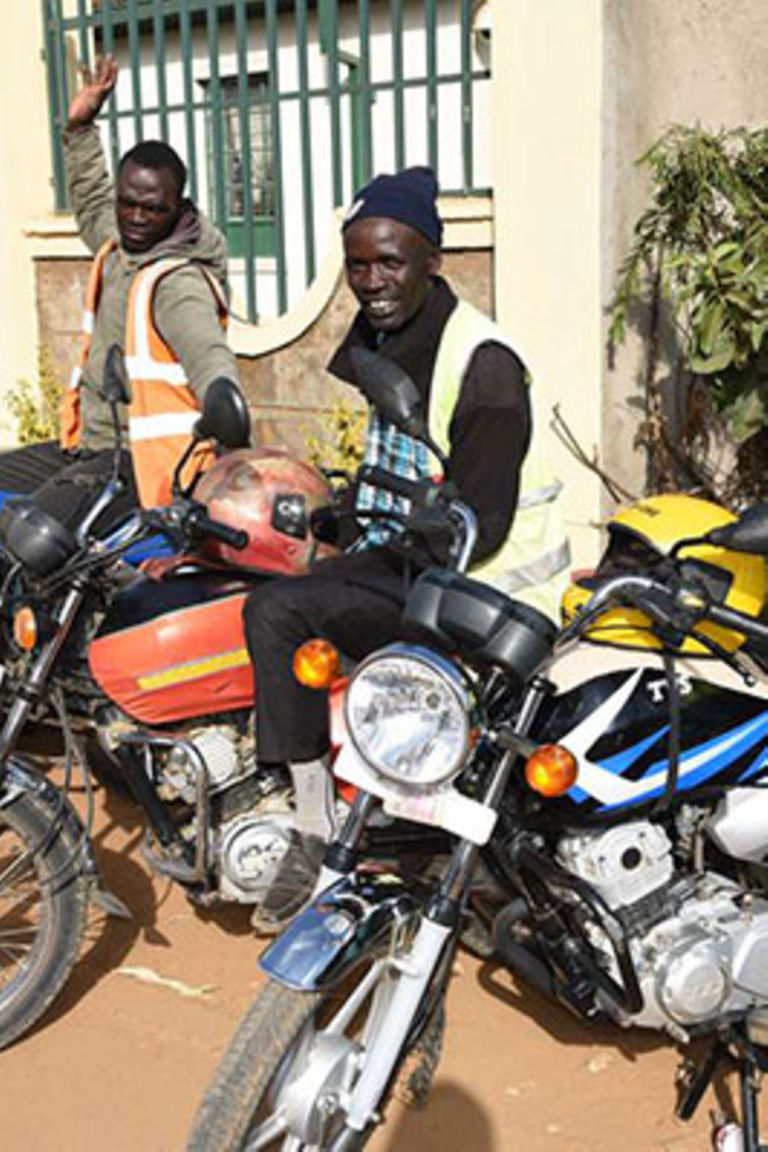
[[280, 108]]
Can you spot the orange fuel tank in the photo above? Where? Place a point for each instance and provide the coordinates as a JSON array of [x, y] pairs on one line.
[[173, 649]]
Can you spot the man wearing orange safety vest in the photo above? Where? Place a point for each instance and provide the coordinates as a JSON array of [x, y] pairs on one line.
[[158, 289]]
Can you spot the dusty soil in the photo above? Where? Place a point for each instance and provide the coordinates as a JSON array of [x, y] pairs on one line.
[[122, 1060]]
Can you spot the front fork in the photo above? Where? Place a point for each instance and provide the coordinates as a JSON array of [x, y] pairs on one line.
[[418, 966], [417, 969], [33, 684]]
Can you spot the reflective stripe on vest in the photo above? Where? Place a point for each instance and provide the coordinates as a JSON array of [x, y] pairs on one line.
[[70, 419], [168, 424], [163, 407], [532, 562]]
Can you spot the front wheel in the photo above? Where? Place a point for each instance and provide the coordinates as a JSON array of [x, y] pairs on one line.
[[294, 1060], [43, 901]]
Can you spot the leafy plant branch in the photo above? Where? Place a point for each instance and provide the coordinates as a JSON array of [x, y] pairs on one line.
[[704, 240]]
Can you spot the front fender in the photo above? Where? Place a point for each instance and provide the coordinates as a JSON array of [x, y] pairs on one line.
[[18, 778], [366, 914]]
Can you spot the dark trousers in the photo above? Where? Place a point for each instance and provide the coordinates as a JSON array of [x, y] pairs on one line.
[[66, 484], [355, 601]]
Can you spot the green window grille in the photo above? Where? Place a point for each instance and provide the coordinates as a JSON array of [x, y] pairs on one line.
[[259, 142], [281, 108]]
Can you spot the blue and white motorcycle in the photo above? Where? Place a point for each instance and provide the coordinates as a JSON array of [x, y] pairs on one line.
[[604, 792]]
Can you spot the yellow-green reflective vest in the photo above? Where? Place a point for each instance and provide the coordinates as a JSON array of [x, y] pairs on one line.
[[532, 562]]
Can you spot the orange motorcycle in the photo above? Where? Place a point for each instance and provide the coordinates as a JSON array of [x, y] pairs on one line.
[[146, 677]]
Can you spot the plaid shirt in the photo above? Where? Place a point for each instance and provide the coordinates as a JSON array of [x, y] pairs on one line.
[[389, 448]]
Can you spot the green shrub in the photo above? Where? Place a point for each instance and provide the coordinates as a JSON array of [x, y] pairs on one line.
[[342, 443], [35, 406], [699, 260]]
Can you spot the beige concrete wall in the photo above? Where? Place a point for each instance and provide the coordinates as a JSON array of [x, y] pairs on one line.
[[688, 62], [581, 88], [547, 67], [25, 189]]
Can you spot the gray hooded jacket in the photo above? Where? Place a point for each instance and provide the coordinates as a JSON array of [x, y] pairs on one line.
[[185, 310]]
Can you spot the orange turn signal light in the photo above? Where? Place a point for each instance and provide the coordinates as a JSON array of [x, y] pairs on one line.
[[25, 628], [316, 664], [551, 770]]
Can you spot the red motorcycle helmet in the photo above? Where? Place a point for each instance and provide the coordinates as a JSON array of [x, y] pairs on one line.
[[270, 495]]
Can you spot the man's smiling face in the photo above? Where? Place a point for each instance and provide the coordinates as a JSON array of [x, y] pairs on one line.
[[389, 268]]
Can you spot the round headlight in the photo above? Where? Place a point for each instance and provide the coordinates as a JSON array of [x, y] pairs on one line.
[[408, 713]]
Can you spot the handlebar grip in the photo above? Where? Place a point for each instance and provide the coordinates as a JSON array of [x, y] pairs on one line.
[[324, 524], [380, 478], [235, 537]]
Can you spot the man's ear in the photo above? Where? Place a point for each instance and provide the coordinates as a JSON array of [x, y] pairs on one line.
[[434, 262]]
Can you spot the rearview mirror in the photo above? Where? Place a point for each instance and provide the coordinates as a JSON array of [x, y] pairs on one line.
[[114, 384], [390, 389], [225, 417], [393, 393]]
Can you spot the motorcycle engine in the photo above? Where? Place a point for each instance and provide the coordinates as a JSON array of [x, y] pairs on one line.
[[221, 749], [249, 810], [698, 941]]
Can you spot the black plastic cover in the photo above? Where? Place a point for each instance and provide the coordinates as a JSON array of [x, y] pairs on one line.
[[478, 622], [747, 534], [40, 543]]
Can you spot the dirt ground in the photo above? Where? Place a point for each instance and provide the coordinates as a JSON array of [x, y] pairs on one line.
[[123, 1058]]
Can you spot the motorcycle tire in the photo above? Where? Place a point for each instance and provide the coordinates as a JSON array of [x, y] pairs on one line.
[[274, 1044], [43, 908]]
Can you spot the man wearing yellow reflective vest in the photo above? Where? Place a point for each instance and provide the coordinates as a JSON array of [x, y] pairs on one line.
[[157, 289], [476, 392]]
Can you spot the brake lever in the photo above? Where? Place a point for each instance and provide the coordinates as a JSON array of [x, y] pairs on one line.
[[672, 620], [678, 616]]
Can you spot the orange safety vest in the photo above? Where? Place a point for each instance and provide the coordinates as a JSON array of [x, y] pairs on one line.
[[70, 422], [163, 407]]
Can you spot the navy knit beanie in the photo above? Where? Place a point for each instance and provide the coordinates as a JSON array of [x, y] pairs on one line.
[[408, 196]]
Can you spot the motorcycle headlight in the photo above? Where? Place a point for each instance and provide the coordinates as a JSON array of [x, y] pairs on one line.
[[409, 713]]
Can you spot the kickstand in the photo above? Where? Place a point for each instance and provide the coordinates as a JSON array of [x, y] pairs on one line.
[[751, 1062], [751, 1067], [699, 1081]]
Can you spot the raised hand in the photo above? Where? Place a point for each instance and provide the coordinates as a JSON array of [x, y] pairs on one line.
[[97, 85]]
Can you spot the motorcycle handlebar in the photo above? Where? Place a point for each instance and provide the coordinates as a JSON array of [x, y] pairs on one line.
[[660, 602], [200, 523], [424, 492], [435, 507], [729, 618]]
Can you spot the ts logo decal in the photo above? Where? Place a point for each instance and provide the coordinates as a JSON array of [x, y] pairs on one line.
[[657, 689]]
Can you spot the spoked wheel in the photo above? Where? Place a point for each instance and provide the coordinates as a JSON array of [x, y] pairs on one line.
[[289, 1071], [43, 903]]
